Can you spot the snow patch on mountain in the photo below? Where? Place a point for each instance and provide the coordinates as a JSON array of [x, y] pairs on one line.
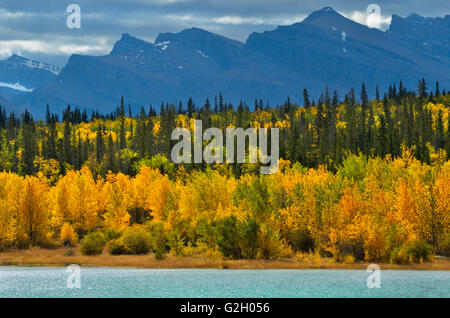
[[16, 87], [35, 64], [20, 60], [163, 45], [202, 54]]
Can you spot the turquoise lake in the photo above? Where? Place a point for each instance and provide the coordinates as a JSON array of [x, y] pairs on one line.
[[128, 282]]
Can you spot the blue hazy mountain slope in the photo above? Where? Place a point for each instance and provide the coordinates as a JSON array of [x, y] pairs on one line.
[[221, 50], [6, 104], [341, 53], [324, 49], [19, 76], [181, 66], [431, 35]]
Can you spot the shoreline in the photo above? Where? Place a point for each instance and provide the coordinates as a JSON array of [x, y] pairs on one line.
[[56, 258]]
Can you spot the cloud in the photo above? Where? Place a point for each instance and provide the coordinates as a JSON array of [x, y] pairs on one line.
[[5, 14], [164, 2], [372, 20], [55, 47], [38, 28], [236, 20]]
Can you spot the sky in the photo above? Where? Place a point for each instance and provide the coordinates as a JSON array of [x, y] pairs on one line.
[[38, 30]]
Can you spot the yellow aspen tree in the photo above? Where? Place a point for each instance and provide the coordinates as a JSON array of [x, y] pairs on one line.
[[33, 209], [115, 189], [10, 184], [83, 201], [441, 192], [68, 235], [157, 198], [406, 209], [141, 187], [205, 193], [59, 194]]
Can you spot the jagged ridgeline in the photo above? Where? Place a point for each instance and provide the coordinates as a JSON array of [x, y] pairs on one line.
[[324, 48], [321, 132]]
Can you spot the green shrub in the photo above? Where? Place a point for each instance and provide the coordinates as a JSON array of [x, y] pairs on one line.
[[158, 239], [248, 239], [270, 244], [159, 162], [300, 240], [117, 247], [176, 243], [400, 256], [416, 251], [206, 231], [92, 244], [353, 168], [229, 237], [444, 245], [111, 235], [396, 237], [137, 240], [353, 247], [160, 254], [419, 250], [249, 233]]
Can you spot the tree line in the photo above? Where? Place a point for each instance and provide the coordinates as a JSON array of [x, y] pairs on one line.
[[359, 179], [321, 132]]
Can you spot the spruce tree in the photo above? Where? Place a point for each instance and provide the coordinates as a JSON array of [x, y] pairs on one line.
[[306, 102], [122, 140], [190, 107], [67, 142], [437, 93]]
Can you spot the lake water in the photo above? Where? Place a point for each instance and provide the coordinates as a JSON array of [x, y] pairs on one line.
[[128, 282]]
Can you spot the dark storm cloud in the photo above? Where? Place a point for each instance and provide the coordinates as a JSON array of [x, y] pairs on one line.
[[38, 28]]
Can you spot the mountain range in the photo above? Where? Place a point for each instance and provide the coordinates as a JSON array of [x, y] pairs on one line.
[[19, 76], [326, 48]]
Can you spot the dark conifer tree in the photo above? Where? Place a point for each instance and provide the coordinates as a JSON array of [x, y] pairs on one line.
[[221, 108], [440, 134], [362, 131], [140, 139], [422, 88], [306, 102], [364, 97], [130, 115], [190, 107], [29, 144], [111, 163], [67, 142], [100, 147], [122, 139], [47, 115], [437, 93]]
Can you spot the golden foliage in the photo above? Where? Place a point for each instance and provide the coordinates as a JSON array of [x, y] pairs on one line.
[[368, 210], [68, 235]]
